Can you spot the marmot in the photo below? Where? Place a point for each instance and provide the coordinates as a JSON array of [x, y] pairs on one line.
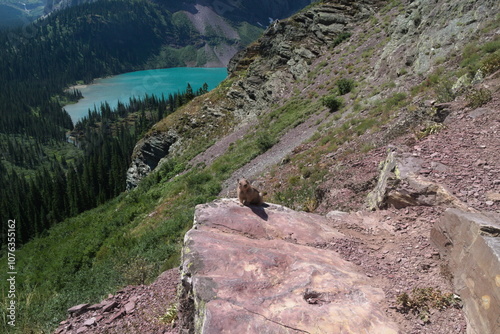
[[248, 194]]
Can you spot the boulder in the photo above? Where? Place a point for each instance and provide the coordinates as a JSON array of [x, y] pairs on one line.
[[254, 270], [401, 184], [471, 244]]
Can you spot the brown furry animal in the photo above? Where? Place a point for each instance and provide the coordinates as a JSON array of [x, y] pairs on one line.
[[248, 194]]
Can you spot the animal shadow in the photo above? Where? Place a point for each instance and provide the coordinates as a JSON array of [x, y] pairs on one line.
[[260, 211]]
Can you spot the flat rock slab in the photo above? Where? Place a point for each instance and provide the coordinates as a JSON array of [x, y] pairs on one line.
[[250, 270]]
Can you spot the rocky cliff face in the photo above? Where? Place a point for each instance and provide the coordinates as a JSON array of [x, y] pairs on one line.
[[260, 76], [147, 155], [289, 51], [476, 272]]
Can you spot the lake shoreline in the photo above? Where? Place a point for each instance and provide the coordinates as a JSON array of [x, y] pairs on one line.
[[121, 87]]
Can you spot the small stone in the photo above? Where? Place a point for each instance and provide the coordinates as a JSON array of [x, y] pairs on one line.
[[78, 309], [81, 330], [96, 306], [116, 316], [129, 307], [89, 322], [480, 163], [489, 203], [109, 306], [491, 196]]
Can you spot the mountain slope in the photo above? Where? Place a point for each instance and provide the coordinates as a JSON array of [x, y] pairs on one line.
[[363, 75], [15, 13], [78, 44]]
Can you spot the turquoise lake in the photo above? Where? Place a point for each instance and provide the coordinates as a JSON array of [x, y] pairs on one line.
[[152, 82]]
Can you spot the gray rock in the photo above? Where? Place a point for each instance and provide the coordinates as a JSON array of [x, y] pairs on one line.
[[78, 309], [401, 184], [89, 322], [110, 306], [471, 244], [147, 154], [129, 307]]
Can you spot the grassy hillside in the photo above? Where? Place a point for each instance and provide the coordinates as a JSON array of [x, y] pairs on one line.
[[134, 237]]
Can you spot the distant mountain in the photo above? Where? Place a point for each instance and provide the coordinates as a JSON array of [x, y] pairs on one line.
[[18, 12], [256, 12]]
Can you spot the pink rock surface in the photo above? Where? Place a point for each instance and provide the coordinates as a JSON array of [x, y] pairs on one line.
[[251, 270]]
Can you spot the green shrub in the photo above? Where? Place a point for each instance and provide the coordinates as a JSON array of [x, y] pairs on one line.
[[422, 300], [170, 316], [340, 38], [345, 86], [491, 47], [265, 141], [196, 181], [332, 102], [444, 91], [395, 100], [477, 97], [137, 271], [430, 130], [491, 63]]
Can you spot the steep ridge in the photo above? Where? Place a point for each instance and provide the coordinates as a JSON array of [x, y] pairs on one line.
[[391, 247], [259, 76]]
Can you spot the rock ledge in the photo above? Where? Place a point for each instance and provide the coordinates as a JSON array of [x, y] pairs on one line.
[[253, 270]]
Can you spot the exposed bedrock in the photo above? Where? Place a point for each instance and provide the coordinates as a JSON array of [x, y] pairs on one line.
[[147, 155], [471, 244], [254, 270]]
